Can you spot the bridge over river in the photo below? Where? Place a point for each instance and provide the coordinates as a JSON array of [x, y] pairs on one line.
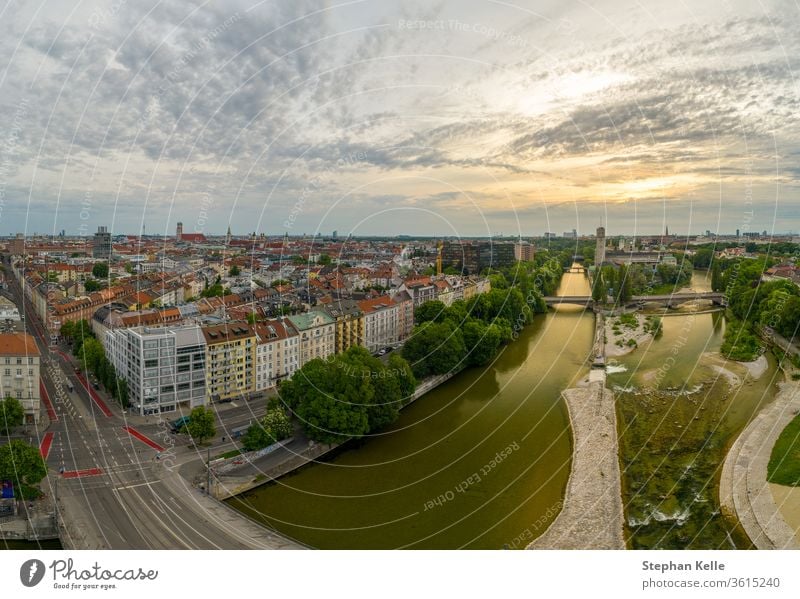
[[669, 300]]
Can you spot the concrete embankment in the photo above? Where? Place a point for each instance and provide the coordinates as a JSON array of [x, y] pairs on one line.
[[592, 516], [744, 491], [294, 456]]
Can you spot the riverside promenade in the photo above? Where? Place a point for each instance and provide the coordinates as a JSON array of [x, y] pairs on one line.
[[592, 516], [744, 490]]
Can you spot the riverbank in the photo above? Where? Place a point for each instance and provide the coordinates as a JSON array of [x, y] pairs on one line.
[[592, 516], [253, 474], [744, 491]]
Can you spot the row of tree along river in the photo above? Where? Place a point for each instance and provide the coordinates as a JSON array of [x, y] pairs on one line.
[[483, 460]]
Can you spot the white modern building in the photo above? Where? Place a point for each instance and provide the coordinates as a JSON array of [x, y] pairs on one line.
[[164, 367]]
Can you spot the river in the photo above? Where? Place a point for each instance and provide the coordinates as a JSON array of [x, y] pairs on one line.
[[480, 462], [677, 418]]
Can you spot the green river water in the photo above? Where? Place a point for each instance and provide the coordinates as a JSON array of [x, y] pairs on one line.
[[482, 461], [434, 479]]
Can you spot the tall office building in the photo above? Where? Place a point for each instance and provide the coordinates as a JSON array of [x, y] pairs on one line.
[[179, 232], [102, 244], [471, 257]]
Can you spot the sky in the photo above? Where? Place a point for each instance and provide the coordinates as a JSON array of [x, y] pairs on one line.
[[462, 118]]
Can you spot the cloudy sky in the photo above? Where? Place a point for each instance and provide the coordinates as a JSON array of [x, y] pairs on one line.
[[388, 117]]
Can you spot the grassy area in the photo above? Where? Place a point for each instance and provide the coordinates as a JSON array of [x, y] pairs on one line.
[[784, 463], [740, 343]]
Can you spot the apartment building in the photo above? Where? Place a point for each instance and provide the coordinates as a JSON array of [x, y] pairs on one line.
[[277, 352], [19, 372], [349, 323], [382, 322], [231, 354], [317, 334], [164, 367]]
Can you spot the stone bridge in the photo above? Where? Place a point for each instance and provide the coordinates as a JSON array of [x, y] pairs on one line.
[[669, 300]]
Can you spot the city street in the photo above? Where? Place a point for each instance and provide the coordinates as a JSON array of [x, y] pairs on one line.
[[105, 468]]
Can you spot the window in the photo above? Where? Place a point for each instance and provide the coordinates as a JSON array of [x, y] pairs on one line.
[[8, 370], [19, 371]]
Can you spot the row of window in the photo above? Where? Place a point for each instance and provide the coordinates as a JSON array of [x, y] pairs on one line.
[[7, 372], [18, 361]]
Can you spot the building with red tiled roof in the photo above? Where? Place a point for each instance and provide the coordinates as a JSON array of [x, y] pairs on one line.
[[19, 372]]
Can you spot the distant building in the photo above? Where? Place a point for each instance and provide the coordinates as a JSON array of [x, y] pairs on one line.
[[571, 234], [471, 257], [16, 246], [163, 367], [102, 244], [179, 232], [524, 251], [600, 248], [19, 372]]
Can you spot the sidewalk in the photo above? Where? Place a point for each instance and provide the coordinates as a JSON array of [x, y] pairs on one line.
[[744, 490]]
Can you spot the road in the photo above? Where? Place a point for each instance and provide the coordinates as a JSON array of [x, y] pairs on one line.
[[110, 483]]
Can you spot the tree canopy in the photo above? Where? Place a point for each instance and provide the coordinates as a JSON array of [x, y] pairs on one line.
[[201, 424], [100, 270], [348, 396], [11, 414], [23, 465]]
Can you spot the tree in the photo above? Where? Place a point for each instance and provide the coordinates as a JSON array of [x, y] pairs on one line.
[[234, 271], [273, 427], [324, 259], [23, 465], [122, 393], [11, 414], [716, 277], [429, 311], [348, 396], [100, 270], [703, 258], [481, 340], [434, 348], [201, 424], [624, 285], [599, 288], [91, 285]]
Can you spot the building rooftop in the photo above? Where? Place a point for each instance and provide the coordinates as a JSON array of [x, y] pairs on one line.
[[18, 344]]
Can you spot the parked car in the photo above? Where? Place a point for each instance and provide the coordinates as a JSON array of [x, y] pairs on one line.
[[177, 425]]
